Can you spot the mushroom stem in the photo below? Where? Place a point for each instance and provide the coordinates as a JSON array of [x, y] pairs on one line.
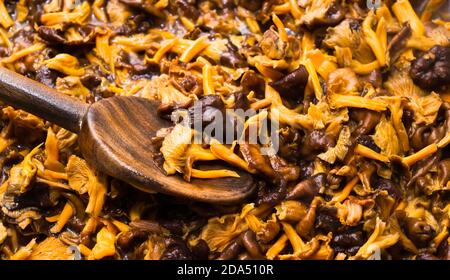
[[427, 151], [369, 153], [346, 191]]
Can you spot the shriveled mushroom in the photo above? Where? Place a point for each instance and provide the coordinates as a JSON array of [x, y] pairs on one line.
[[348, 241], [398, 42], [307, 223], [367, 120], [248, 241], [323, 13], [348, 34], [307, 188], [251, 5], [294, 82], [231, 251], [146, 6], [272, 45], [317, 141], [419, 231], [256, 160], [342, 81], [176, 250], [71, 35], [432, 70]]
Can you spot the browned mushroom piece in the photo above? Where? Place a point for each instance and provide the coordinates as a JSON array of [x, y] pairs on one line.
[[348, 240], [251, 81], [135, 24], [288, 172], [323, 13], [444, 171], [271, 194], [368, 141], [401, 169], [293, 83], [147, 226], [251, 5], [290, 142], [231, 251], [248, 241], [78, 36], [419, 231], [232, 59], [391, 187], [420, 137], [272, 45], [316, 141], [326, 219], [426, 135], [307, 188], [200, 250], [432, 70], [305, 226], [131, 239], [176, 250], [149, 7], [422, 167], [366, 120], [375, 78], [256, 160], [398, 43]]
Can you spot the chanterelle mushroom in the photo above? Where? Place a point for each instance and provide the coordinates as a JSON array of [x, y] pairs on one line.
[[323, 12]]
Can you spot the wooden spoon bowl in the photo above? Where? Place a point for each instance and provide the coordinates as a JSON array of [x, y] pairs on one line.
[[116, 138]]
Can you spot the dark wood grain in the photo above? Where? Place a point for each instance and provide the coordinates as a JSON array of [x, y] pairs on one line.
[[116, 138], [40, 100]]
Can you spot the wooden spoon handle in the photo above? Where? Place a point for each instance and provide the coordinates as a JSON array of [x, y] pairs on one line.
[[40, 100]]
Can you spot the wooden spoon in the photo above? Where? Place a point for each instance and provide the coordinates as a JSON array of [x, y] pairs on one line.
[[115, 137]]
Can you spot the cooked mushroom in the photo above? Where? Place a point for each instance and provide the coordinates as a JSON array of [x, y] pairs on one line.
[[209, 107], [70, 35], [432, 70], [145, 6], [248, 240], [176, 250], [367, 120], [307, 188], [307, 223], [231, 252], [374, 77], [317, 141], [256, 160], [272, 45], [348, 241], [323, 13], [397, 44], [251, 5], [326, 219], [419, 231], [131, 239], [271, 194], [292, 83], [384, 184]]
